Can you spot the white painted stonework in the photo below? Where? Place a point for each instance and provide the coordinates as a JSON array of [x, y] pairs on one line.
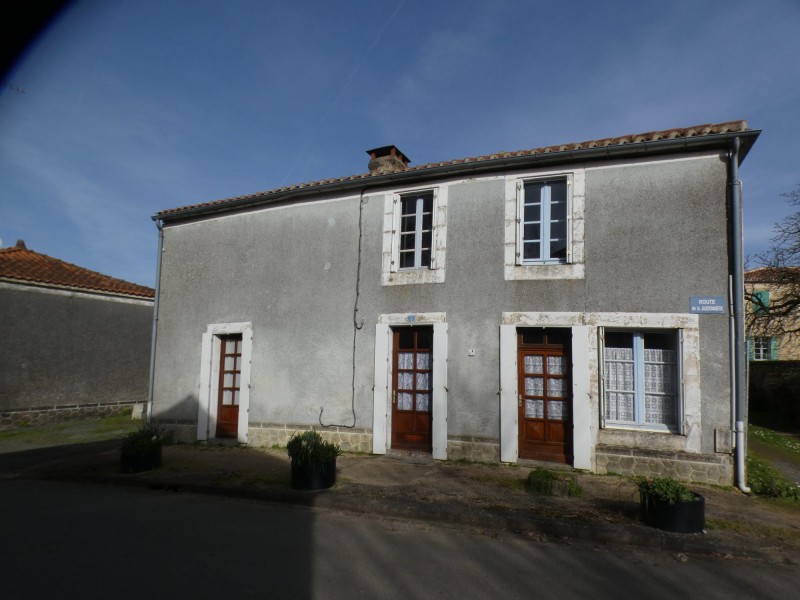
[[209, 379], [382, 389], [587, 403]]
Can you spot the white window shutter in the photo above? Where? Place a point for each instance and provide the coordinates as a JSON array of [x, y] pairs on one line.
[[569, 220], [434, 227], [395, 262], [601, 337], [520, 201]]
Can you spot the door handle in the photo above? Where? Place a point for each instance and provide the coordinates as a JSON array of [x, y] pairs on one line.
[[519, 400], [394, 396]]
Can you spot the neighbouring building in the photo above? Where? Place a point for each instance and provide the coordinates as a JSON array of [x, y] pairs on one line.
[[75, 342], [518, 306], [768, 339]]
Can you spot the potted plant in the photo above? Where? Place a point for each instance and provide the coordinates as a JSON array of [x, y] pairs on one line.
[[313, 461], [141, 450], [668, 504]]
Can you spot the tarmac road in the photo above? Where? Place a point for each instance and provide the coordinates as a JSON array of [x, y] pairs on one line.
[[62, 540]]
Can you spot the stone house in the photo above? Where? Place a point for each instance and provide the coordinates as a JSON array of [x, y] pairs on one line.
[[517, 306], [770, 341], [76, 342]]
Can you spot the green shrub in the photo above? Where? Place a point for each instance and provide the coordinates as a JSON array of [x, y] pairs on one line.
[[549, 483], [309, 451], [664, 489]]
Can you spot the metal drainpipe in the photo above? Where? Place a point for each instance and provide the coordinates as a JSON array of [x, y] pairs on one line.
[[740, 382], [151, 385]]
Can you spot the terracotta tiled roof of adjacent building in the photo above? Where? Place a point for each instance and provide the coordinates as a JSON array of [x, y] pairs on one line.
[[772, 275], [696, 131], [18, 264]]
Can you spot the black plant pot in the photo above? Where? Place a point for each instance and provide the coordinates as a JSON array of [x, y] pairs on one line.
[[681, 517], [315, 477], [136, 462]]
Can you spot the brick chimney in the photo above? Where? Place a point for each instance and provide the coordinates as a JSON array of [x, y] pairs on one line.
[[387, 159]]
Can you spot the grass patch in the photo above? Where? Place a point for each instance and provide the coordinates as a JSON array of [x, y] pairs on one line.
[[68, 432], [764, 480], [773, 438]]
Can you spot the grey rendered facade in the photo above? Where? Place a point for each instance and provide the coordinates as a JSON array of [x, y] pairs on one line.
[[308, 278], [71, 354]]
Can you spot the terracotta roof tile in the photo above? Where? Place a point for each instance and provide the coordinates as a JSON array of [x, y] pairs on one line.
[[773, 275], [18, 264], [667, 134]]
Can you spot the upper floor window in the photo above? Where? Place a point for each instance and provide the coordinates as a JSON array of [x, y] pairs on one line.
[[543, 221], [416, 230], [760, 302], [414, 236]]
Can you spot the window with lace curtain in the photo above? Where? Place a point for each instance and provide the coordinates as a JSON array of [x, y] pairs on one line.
[[641, 379]]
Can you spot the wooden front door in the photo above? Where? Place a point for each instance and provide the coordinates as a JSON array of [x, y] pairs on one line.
[[412, 386], [230, 373], [545, 400]]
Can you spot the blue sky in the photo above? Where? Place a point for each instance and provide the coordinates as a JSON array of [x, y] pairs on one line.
[[122, 109]]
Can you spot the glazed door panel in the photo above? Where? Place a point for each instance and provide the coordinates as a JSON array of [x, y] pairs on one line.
[[544, 395], [412, 388], [230, 373]]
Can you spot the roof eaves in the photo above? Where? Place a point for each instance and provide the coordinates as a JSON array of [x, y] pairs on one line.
[[625, 146]]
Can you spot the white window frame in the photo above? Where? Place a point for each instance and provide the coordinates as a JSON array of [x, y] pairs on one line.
[[515, 268], [762, 347], [639, 379], [391, 273], [545, 222]]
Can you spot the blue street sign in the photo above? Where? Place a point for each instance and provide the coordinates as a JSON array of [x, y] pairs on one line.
[[708, 305]]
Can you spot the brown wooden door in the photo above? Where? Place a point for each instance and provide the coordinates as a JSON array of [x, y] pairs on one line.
[[230, 373], [545, 400], [412, 385]]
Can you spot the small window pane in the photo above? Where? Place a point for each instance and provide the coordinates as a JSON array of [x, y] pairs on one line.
[[227, 397], [531, 250], [556, 388], [407, 241], [534, 364], [427, 221], [424, 360], [427, 202], [425, 261], [558, 211], [534, 409], [228, 380], [426, 239], [409, 205], [532, 213], [406, 260], [423, 381], [532, 232], [408, 223], [405, 380], [556, 365], [555, 410], [425, 339], [534, 386], [558, 249], [424, 402], [558, 191], [619, 407], [405, 400], [405, 360], [236, 381], [230, 363]]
